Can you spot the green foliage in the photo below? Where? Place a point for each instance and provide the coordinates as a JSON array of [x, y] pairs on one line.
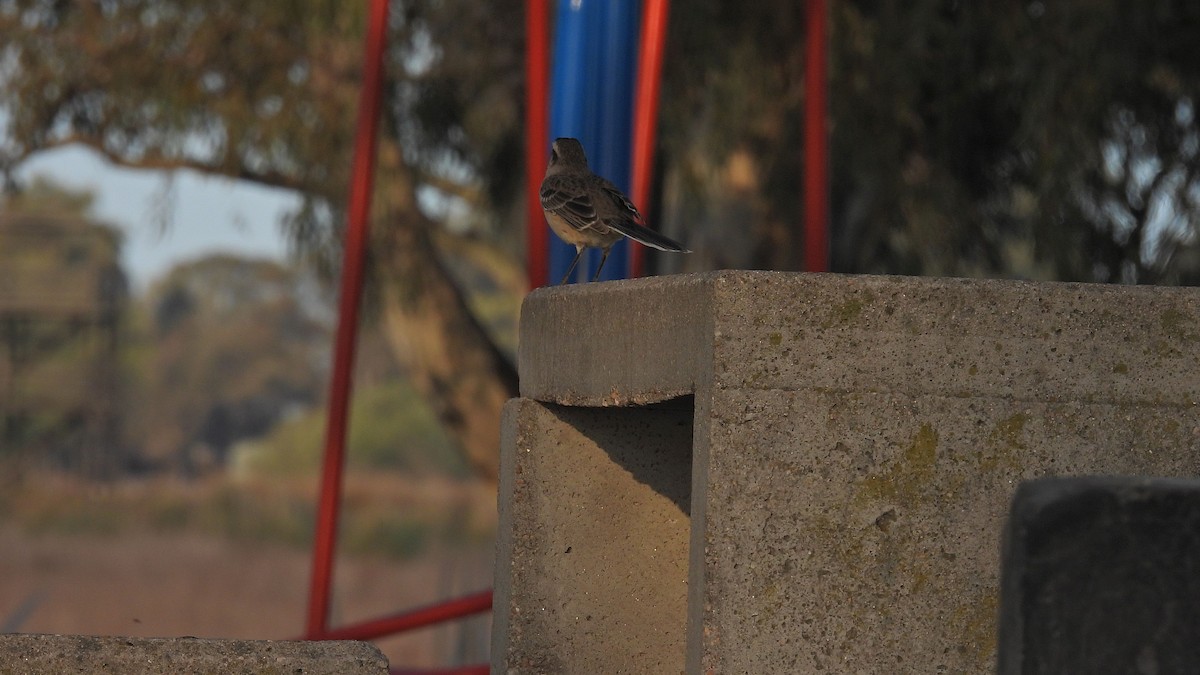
[[394, 428], [389, 536], [292, 448], [60, 298], [391, 428], [231, 346]]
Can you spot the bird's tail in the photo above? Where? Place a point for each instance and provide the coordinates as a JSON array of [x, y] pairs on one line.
[[647, 236]]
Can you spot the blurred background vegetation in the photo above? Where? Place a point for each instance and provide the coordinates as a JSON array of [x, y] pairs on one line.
[[1038, 140], [1025, 139], [215, 371]]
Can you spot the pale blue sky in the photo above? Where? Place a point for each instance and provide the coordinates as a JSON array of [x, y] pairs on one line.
[[207, 215]]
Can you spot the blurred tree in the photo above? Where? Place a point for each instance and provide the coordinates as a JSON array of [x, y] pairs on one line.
[[398, 432], [235, 346], [265, 91], [62, 293], [1035, 139]]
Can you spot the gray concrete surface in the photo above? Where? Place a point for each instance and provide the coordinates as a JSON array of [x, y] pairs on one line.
[[599, 563], [855, 444], [64, 654]]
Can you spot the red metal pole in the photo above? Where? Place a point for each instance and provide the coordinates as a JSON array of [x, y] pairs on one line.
[[816, 143], [361, 182], [417, 618], [645, 111], [537, 59], [462, 670]]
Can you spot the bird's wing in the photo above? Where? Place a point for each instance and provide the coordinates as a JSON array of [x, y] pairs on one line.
[[621, 215], [625, 207], [648, 236], [569, 201]]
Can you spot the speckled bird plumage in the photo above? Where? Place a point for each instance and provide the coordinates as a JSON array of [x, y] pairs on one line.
[[585, 210]]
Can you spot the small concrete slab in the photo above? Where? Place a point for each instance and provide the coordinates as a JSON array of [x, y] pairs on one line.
[[63, 654]]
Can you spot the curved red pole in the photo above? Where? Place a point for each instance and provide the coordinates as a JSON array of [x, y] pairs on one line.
[[537, 58], [816, 143], [645, 111], [361, 182], [483, 669], [476, 603]]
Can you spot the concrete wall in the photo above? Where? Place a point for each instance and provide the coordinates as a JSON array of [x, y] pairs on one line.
[[855, 441], [601, 560]]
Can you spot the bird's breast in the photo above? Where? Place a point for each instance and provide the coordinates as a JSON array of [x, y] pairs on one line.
[[587, 236]]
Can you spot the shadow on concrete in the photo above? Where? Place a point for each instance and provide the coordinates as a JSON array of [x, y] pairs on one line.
[[653, 443]]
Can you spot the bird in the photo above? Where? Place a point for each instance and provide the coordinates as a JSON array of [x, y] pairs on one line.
[[585, 210]]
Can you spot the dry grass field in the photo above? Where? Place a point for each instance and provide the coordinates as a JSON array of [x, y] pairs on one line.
[[170, 560]]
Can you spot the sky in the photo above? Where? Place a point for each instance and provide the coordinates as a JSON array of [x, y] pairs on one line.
[[206, 214]]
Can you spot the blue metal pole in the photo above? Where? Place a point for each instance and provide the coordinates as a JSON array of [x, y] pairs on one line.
[[614, 158], [592, 86], [568, 106]]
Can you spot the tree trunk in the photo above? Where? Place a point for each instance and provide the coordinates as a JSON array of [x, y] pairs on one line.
[[454, 363]]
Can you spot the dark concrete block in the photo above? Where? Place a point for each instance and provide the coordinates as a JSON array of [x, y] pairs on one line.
[[1102, 575]]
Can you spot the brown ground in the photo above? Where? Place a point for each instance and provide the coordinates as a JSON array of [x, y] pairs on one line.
[[147, 584]]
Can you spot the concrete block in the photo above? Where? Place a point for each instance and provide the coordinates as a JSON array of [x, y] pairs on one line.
[[1101, 575], [595, 577], [62, 654], [855, 442]]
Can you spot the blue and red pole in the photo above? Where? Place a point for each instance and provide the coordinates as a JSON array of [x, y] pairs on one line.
[[595, 45], [354, 255], [645, 113], [537, 143]]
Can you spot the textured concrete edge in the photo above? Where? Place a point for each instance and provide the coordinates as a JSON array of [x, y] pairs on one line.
[[502, 567], [1002, 338], [647, 340], [696, 642], [632, 342], [47, 653]]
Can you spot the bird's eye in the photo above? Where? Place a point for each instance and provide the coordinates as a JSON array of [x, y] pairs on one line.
[[553, 155]]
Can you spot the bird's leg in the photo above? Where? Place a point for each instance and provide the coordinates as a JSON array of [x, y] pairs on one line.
[[578, 252], [601, 265]]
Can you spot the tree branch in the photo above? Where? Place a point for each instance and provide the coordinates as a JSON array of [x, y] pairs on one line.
[[469, 193], [159, 162]]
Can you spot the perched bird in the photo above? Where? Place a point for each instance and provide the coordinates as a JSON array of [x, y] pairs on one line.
[[586, 210]]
